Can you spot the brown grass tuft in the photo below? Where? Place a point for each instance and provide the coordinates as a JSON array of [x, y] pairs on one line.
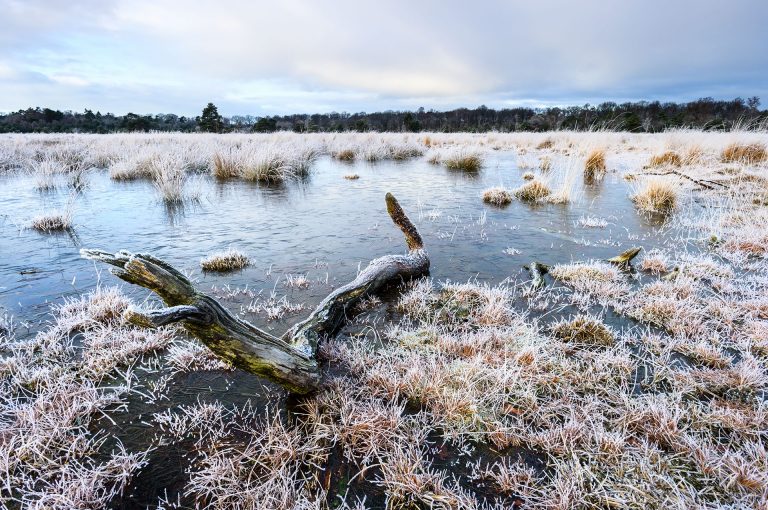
[[345, 155], [53, 222], [225, 166], [656, 195], [669, 158], [228, 260], [468, 162], [594, 167], [584, 329], [497, 196], [744, 153], [533, 191]]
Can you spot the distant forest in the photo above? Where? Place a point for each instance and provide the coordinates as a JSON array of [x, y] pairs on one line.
[[705, 113]]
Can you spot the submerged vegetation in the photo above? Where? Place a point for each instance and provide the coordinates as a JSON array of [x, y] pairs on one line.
[[602, 386]]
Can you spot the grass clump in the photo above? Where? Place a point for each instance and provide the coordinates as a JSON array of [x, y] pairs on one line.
[[344, 155], [266, 165], [594, 167], [228, 260], [744, 153], [655, 262], [497, 196], [351, 177], [467, 162], [225, 166], [669, 158], [656, 195], [533, 191], [584, 329], [56, 221]]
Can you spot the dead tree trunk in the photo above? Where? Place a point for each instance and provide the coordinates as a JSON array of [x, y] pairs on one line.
[[290, 360]]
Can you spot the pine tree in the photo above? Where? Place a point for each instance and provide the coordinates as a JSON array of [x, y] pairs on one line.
[[210, 121]]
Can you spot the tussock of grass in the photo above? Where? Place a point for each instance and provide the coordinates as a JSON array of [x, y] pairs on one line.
[[669, 158], [169, 175], [533, 191], [467, 162], [264, 165], [545, 164], [225, 166], [351, 177], [529, 176], [497, 196], [228, 260], [744, 153], [656, 195], [547, 143], [584, 329], [52, 222], [594, 167], [344, 154], [655, 262]]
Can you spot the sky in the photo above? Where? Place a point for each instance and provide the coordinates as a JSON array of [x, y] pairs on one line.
[[310, 56]]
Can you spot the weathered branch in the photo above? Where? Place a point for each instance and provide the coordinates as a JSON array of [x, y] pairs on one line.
[[704, 183], [330, 313], [290, 360]]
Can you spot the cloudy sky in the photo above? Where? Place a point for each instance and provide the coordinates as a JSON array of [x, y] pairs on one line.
[[296, 56]]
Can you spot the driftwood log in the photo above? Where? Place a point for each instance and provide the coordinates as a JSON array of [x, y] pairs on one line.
[[288, 360]]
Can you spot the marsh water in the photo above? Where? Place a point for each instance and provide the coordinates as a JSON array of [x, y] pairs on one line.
[[324, 227]]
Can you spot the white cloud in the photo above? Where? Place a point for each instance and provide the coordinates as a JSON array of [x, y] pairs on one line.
[[259, 56]]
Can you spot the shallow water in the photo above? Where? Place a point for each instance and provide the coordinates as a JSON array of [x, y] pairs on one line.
[[324, 227]]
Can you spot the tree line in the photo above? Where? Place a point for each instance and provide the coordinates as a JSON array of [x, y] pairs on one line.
[[641, 116]]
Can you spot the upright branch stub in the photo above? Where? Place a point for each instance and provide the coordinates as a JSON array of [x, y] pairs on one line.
[[331, 313], [625, 257], [412, 236]]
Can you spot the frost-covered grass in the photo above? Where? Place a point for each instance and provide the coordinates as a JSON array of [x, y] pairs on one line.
[[497, 196], [227, 260], [428, 407]]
